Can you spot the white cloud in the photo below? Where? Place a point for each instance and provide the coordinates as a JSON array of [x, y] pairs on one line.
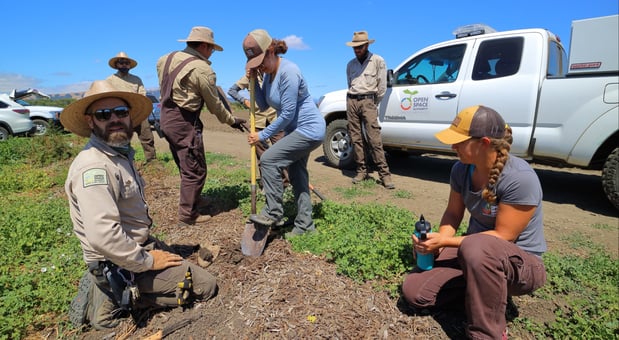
[[10, 81], [295, 43]]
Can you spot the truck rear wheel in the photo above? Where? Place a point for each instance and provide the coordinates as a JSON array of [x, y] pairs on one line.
[[337, 147], [610, 178]]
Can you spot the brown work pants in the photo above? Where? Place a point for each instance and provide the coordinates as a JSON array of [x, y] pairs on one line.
[[481, 273], [362, 113], [145, 135], [183, 131]]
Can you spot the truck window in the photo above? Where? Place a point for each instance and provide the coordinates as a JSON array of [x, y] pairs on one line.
[[498, 58], [557, 60], [438, 66]]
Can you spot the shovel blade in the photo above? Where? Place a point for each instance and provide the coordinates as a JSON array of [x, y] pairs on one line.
[[254, 239]]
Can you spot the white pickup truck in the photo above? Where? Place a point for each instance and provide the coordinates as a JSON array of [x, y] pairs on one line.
[[563, 112]]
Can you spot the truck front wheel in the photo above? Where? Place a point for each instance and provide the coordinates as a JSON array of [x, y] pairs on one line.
[[610, 177], [337, 147]]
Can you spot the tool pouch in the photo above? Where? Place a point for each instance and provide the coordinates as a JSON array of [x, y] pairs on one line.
[[122, 284]]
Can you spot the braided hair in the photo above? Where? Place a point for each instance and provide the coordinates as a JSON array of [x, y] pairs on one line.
[[502, 147]]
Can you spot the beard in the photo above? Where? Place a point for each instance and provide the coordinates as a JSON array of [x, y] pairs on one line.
[[115, 138]]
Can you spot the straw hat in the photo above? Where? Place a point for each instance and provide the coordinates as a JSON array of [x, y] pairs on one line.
[[122, 55], [72, 117], [360, 38], [203, 34], [255, 45]]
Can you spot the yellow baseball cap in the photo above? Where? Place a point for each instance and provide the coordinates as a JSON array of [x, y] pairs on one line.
[[473, 122]]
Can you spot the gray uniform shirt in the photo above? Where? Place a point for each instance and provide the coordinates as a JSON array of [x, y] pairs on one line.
[[108, 208], [517, 184]]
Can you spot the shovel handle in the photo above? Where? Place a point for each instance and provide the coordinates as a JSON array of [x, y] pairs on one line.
[[314, 190], [252, 126]]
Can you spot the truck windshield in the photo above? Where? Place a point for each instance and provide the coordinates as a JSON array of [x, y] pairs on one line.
[[438, 66]]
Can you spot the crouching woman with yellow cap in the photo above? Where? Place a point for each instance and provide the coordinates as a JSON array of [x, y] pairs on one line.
[[500, 254]]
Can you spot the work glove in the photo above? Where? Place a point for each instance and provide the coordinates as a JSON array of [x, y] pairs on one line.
[[240, 124]]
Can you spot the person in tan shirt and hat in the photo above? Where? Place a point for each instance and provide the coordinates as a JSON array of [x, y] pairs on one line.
[[366, 75], [188, 83], [110, 216], [125, 81]]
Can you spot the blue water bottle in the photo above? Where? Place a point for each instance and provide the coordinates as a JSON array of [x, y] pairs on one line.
[[422, 229]]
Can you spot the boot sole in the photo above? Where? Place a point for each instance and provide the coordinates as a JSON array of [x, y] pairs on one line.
[[79, 304]]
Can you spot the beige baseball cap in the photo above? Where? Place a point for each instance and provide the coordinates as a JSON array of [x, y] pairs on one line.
[[203, 34], [255, 45]]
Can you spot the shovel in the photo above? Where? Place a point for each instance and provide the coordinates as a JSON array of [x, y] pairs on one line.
[[254, 236]]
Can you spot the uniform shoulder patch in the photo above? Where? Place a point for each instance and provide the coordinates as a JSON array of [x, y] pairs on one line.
[[94, 177]]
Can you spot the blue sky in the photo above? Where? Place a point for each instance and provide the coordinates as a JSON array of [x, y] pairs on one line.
[[62, 46]]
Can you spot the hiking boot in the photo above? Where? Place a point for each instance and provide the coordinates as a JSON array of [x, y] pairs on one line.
[[79, 304], [101, 310], [204, 202], [198, 220], [297, 232], [361, 176], [264, 220], [387, 183]]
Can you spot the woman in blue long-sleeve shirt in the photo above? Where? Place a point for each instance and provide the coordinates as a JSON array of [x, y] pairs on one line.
[[284, 89]]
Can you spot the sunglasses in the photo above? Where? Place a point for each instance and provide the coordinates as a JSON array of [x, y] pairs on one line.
[[103, 115], [123, 62]]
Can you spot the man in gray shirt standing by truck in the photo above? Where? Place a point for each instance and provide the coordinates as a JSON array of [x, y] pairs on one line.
[[366, 75]]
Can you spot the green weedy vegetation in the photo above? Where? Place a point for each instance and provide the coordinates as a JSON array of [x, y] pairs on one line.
[[368, 242], [40, 258]]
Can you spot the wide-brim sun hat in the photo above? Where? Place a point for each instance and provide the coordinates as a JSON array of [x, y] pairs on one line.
[[73, 116], [203, 34], [255, 45], [360, 38], [473, 122], [122, 55]]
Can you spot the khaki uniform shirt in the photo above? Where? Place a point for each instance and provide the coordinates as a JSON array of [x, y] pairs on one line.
[[195, 85], [369, 77], [263, 118], [128, 83], [108, 208]]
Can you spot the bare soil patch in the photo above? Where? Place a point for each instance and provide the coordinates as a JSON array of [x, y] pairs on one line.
[[286, 295]]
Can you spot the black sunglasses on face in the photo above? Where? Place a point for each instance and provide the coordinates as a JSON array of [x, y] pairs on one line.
[[125, 62], [103, 115]]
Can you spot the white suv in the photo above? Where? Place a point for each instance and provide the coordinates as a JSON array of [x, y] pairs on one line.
[[14, 119], [43, 117]]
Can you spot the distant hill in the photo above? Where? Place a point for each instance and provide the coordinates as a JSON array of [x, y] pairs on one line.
[[73, 95]]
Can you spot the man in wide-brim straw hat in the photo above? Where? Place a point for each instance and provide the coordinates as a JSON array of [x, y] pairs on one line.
[[188, 83], [122, 56], [110, 216], [122, 80], [366, 75]]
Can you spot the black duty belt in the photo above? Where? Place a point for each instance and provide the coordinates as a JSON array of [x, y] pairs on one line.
[[361, 96]]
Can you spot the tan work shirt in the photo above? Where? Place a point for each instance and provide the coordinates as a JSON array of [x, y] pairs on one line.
[[195, 85], [128, 83], [369, 77], [108, 208], [263, 118]]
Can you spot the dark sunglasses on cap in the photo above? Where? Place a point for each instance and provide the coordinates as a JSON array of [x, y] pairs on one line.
[[103, 115]]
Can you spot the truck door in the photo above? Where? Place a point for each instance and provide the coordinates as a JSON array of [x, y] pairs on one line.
[[505, 76], [423, 98]]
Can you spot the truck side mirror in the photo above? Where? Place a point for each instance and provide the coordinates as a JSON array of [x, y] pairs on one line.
[[389, 77]]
